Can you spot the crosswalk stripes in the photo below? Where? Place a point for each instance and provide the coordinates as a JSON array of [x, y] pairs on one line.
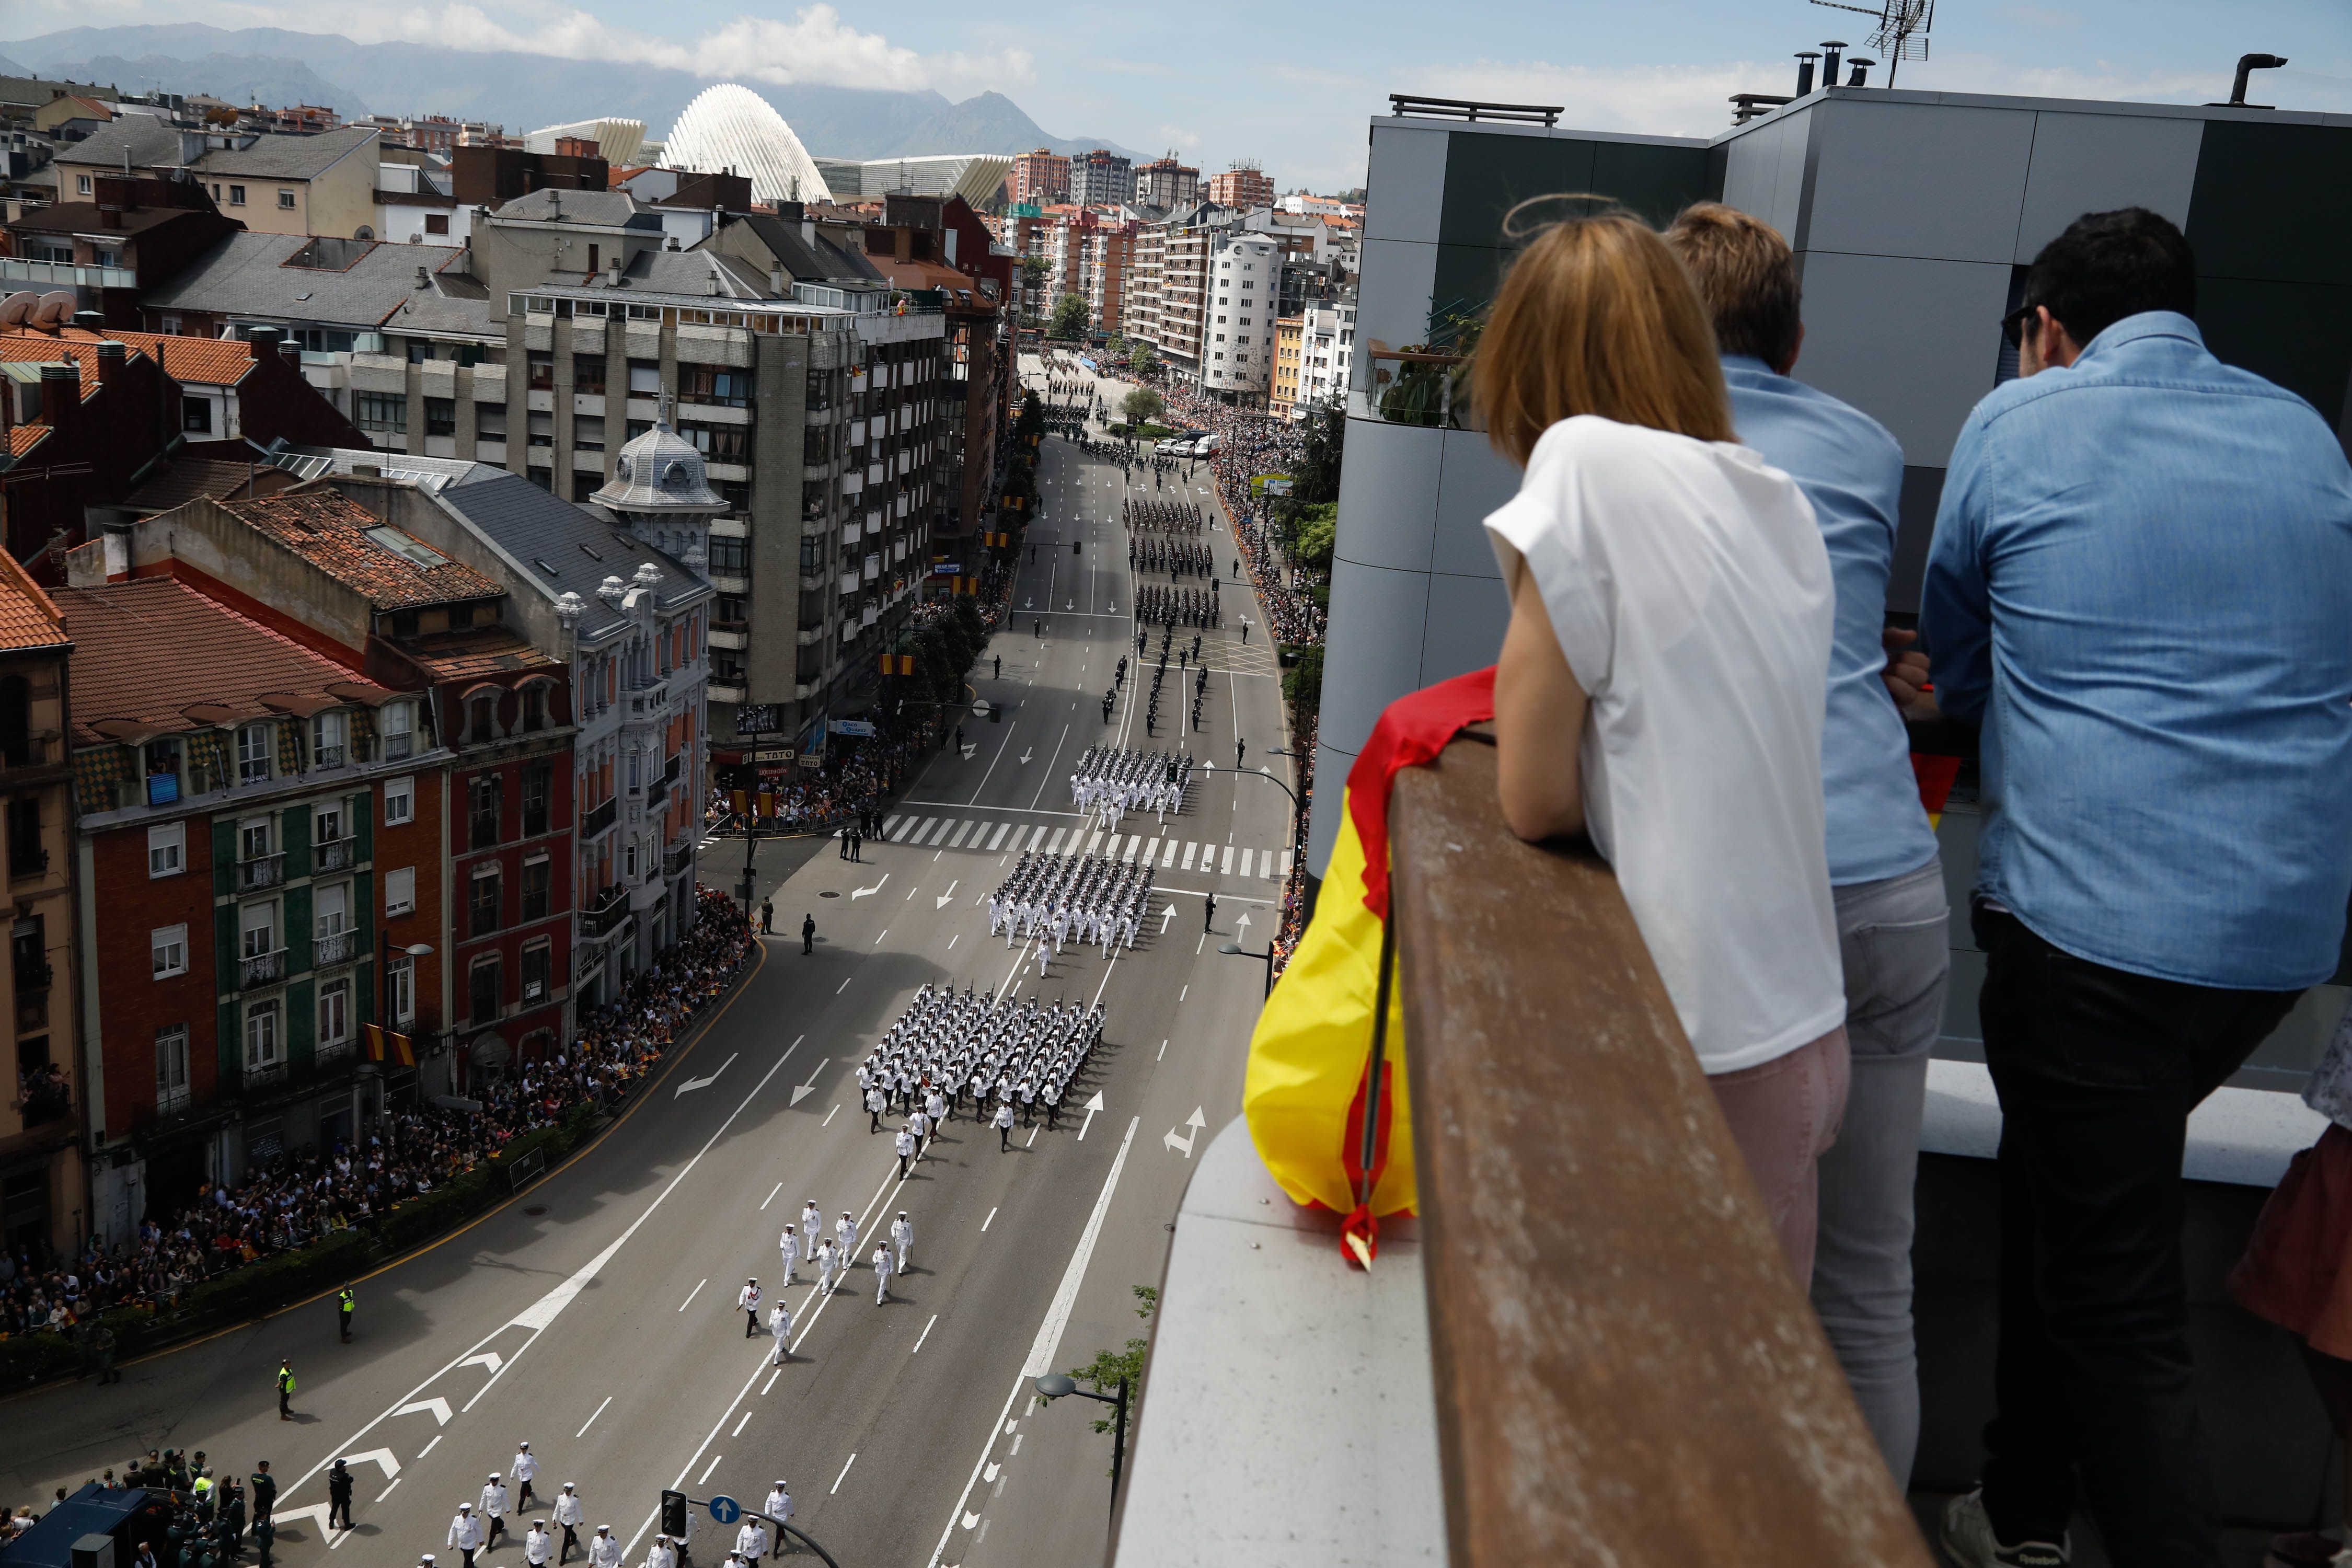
[[980, 836], [1001, 830], [963, 828], [890, 828]]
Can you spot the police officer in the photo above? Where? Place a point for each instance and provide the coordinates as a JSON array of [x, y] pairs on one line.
[[663, 1555], [906, 1147], [752, 1540], [538, 1544], [264, 1487], [780, 1325], [522, 1472], [465, 1532], [876, 1101], [494, 1508], [902, 1237], [603, 1551], [808, 933], [285, 1391], [766, 917], [779, 1506], [338, 1495], [571, 1516], [1003, 1125], [789, 1244], [881, 1261], [346, 1302]]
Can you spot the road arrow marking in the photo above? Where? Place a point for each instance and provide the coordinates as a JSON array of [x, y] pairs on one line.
[[377, 1456], [1165, 918], [945, 897], [990, 1474], [802, 1089], [439, 1407], [1024, 756], [970, 1519], [857, 893], [1240, 926], [1198, 1120], [491, 1359], [693, 1083], [316, 1513], [1092, 1106]]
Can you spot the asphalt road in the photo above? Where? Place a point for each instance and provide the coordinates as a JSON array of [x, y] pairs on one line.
[[596, 1317]]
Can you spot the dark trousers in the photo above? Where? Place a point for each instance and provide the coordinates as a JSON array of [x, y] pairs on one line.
[[497, 1528], [523, 1497], [571, 1544], [468, 1552], [343, 1321], [339, 1508], [1004, 1138], [902, 1167], [751, 1323], [285, 1403], [808, 941], [2097, 1070]]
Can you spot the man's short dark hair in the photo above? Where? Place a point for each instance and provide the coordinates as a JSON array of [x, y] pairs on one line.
[[2107, 266], [1746, 278]]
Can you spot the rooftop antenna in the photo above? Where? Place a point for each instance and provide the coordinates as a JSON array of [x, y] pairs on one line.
[[1901, 34]]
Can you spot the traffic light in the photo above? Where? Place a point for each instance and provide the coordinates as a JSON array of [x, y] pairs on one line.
[[673, 1512]]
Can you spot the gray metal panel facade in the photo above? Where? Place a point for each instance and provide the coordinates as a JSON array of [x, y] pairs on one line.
[[1927, 179], [2097, 162], [1912, 342]]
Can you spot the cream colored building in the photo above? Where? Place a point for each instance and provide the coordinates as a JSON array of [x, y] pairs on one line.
[[324, 185]]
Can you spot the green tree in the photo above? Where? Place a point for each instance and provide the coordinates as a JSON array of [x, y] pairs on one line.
[[1317, 478], [1103, 1374], [1142, 404], [1302, 683], [1069, 318], [1143, 359], [1313, 533]]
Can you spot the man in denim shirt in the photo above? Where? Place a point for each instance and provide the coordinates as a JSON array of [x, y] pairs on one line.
[[1883, 869], [2141, 586]]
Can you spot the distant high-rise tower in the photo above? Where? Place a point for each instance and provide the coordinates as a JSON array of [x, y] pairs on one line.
[[1041, 178], [1101, 178], [1245, 186]]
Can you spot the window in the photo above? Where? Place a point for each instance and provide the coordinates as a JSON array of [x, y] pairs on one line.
[[399, 801], [330, 910], [262, 1046], [436, 223], [399, 720], [328, 733], [403, 974], [81, 184], [542, 366], [257, 925], [536, 781], [196, 415], [481, 719], [644, 378], [482, 810], [237, 196], [541, 428], [400, 891], [490, 421], [27, 857], [385, 413], [537, 878], [588, 432], [172, 1068], [733, 557], [168, 946], [714, 384], [335, 1012], [440, 416], [588, 374], [482, 991], [166, 849], [629, 860], [253, 840], [537, 960], [285, 200], [255, 753], [482, 902]]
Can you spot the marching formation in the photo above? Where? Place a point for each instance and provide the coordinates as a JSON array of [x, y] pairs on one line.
[[1162, 516], [1111, 781], [1082, 897], [1180, 606], [948, 1043], [1176, 557]]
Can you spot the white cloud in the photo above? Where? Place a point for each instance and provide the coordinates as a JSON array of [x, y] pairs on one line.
[[1177, 136]]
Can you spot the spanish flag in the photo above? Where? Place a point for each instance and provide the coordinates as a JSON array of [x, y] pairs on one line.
[[383, 1045], [1312, 1085]]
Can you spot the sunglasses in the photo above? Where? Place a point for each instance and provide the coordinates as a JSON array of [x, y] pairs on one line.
[[2013, 326]]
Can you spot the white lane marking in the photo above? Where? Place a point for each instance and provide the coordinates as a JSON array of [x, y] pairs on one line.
[[856, 893], [600, 1409], [1169, 858], [741, 1424], [891, 826], [690, 1295], [983, 1224], [949, 894], [801, 1091], [828, 1118], [843, 987], [1226, 867], [387, 1491], [1055, 846], [844, 1475], [1037, 837], [772, 1381], [953, 940], [1186, 991], [915, 834], [1002, 828], [1163, 1052], [1188, 847], [429, 1448], [772, 1196], [1049, 1335], [964, 829], [714, 1465], [924, 1335], [439, 1408], [886, 932], [1032, 1139]]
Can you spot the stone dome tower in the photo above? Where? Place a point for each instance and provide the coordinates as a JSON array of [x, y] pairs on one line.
[[660, 491]]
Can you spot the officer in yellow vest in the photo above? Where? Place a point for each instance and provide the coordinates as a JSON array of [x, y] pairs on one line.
[[345, 1303]]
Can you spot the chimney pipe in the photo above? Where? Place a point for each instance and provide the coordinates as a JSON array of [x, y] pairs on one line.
[[1805, 72], [1860, 70], [1833, 53], [110, 360], [2248, 64], [61, 395], [89, 320], [776, 281]]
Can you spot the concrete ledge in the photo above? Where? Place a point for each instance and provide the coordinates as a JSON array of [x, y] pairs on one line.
[[1289, 1417]]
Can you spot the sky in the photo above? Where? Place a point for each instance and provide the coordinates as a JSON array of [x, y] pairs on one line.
[[1292, 85]]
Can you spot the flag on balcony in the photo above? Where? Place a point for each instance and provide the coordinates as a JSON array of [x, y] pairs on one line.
[[384, 1044], [1310, 1089]]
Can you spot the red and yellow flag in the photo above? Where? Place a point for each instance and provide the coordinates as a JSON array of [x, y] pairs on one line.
[[1310, 1084]]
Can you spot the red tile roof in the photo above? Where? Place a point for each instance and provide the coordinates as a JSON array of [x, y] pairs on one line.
[[210, 362], [478, 651], [395, 569], [188, 478], [146, 651], [28, 617]]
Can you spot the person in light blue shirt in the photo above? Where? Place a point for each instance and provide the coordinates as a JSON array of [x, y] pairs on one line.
[[2141, 588], [1885, 874]]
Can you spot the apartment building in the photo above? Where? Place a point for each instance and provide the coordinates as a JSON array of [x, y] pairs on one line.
[[1284, 397], [1245, 186], [1102, 178], [1327, 344], [273, 183], [42, 1185], [1237, 339], [1166, 303], [1041, 176], [1166, 186]]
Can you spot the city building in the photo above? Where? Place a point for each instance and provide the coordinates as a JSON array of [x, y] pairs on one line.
[[1166, 186], [109, 236], [1237, 338], [43, 1191], [1102, 178], [416, 200], [321, 184], [1042, 176], [1326, 344], [732, 129], [978, 177], [1282, 400], [1166, 299], [491, 176], [1245, 186], [618, 141]]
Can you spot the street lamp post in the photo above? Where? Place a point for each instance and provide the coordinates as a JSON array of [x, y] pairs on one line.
[[1236, 950], [1055, 1385]]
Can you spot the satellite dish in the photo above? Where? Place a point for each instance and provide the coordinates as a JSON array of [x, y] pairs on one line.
[[56, 307], [17, 308]]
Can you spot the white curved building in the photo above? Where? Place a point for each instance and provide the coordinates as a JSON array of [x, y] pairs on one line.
[[731, 127], [618, 141]]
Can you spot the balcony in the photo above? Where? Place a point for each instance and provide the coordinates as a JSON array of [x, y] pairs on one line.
[[336, 854], [600, 818], [677, 856], [657, 793], [261, 1075], [1514, 1380], [336, 947], [34, 975], [262, 871], [401, 746], [261, 968], [604, 916], [328, 757]]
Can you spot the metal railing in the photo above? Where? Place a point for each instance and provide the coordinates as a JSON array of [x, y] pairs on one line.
[[336, 947], [601, 917], [265, 1075], [397, 747], [677, 856], [262, 871], [337, 854], [1618, 1344], [261, 968], [1472, 111], [600, 818]]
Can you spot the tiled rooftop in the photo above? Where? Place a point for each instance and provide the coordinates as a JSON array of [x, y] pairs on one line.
[[394, 568], [28, 617], [478, 651]]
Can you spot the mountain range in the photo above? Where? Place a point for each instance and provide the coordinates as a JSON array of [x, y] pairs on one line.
[[522, 91]]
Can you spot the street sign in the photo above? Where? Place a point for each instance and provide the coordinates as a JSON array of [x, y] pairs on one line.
[[773, 754], [979, 708], [725, 1510]]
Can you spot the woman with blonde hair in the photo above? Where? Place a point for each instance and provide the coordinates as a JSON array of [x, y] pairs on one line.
[[1663, 679]]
